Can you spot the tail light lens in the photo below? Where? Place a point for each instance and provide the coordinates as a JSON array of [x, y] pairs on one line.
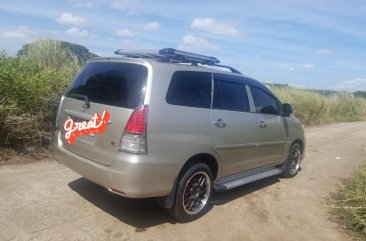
[[134, 135]]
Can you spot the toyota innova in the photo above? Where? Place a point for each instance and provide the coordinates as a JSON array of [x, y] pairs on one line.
[[174, 125]]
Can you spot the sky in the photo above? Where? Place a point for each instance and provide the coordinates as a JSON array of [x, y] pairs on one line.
[[318, 44]]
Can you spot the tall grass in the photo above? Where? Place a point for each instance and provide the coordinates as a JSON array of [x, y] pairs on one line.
[[314, 108], [49, 53], [30, 88]]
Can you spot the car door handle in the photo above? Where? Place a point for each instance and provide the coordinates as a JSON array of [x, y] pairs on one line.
[[219, 123], [262, 124]]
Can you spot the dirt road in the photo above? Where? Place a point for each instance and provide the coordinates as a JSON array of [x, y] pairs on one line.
[[47, 201]]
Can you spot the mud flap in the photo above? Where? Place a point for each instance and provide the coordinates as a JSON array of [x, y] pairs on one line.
[[168, 201]]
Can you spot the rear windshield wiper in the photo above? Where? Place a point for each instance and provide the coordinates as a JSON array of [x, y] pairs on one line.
[[84, 97]]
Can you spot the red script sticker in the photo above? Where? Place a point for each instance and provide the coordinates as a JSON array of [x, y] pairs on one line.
[[96, 125]]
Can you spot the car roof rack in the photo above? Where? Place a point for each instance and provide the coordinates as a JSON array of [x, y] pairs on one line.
[[170, 55]]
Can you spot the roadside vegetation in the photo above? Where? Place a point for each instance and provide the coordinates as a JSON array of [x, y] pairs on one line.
[[30, 88], [348, 204], [32, 83], [314, 107]]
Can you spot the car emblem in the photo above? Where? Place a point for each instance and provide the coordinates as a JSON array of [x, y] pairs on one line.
[[84, 107]]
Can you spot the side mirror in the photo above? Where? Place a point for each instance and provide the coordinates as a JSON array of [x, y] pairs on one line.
[[288, 109]]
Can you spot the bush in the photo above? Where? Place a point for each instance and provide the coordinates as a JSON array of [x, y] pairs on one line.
[[30, 89]]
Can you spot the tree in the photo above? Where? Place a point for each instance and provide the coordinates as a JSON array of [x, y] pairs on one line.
[[360, 94], [80, 51]]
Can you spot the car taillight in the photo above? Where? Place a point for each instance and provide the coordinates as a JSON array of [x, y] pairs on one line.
[[134, 135]]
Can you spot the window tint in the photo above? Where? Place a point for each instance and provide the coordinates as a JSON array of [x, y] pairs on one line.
[[230, 96], [264, 102], [116, 84], [188, 88]]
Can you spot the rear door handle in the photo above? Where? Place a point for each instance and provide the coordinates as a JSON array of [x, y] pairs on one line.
[[262, 124], [219, 123]]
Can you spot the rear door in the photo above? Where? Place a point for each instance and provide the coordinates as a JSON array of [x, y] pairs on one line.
[[102, 86], [271, 131], [234, 128]]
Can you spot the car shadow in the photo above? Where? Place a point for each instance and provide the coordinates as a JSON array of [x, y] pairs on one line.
[[145, 213], [139, 213]]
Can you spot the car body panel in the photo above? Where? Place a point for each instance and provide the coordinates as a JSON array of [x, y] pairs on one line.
[[237, 142], [272, 140]]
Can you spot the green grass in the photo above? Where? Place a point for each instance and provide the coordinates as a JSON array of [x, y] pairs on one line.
[[314, 108], [348, 204], [30, 89]]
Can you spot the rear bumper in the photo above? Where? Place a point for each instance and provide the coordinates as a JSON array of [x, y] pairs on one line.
[[130, 175]]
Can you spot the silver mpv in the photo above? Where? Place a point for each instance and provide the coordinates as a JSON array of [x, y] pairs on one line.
[[174, 125]]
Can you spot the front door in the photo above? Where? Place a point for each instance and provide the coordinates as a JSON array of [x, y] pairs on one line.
[[271, 130], [234, 127]]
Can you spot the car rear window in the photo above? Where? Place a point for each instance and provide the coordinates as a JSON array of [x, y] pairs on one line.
[[110, 83]]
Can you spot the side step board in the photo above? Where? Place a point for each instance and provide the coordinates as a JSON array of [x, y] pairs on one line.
[[241, 179]]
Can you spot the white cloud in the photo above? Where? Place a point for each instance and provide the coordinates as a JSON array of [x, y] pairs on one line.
[[126, 41], [309, 66], [193, 43], [123, 32], [14, 35], [151, 26], [324, 51], [128, 6], [67, 18], [352, 85], [211, 26], [22, 33], [89, 4], [76, 32]]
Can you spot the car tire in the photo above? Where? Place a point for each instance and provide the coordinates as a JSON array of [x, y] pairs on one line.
[[293, 161], [193, 193]]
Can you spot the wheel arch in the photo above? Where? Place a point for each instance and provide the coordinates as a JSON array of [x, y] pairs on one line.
[[298, 141], [302, 144], [205, 158]]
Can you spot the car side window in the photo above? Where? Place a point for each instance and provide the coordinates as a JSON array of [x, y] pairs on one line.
[[230, 96], [190, 88], [264, 103]]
